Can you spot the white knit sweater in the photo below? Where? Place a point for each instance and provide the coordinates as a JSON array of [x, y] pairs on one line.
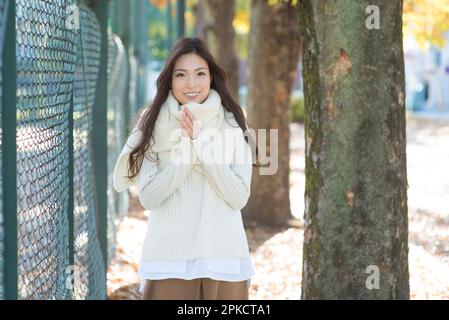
[[194, 204]]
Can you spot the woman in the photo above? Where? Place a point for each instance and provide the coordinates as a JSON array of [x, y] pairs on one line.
[[189, 173]]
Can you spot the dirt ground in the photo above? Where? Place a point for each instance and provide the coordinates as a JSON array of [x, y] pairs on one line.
[[277, 252]]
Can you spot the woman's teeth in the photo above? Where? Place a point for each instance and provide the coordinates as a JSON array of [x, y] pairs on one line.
[[191, 94]]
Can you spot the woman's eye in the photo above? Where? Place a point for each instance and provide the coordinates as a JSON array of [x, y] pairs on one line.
[[178, 75]]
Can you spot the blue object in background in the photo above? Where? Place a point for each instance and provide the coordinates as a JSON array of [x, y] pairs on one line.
[[420, 96]]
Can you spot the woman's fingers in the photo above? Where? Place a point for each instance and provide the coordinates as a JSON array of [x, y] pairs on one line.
[[193, 124], [189, 114], [187, 121], [196, 129], [186, 130], [190, 124]]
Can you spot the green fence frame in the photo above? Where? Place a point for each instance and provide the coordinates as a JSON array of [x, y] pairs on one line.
[[99, 132], [9, 156]]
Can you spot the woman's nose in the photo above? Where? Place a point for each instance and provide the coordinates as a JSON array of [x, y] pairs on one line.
[[190, 82]]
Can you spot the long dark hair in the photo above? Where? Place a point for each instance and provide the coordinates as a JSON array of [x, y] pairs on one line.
[[183, 46]]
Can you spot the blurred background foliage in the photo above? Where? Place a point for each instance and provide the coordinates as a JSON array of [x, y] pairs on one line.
[[426, 21]]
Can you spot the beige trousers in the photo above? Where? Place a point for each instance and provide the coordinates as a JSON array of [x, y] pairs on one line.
[[195, 289]]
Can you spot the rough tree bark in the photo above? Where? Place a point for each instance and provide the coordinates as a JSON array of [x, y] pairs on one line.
[[274, 48], [219, 34], [356, 178]]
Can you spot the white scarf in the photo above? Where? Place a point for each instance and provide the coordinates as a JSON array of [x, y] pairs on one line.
[[167, 131]]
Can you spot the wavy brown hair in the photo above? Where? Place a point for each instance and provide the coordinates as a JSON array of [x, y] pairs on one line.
[[183, 46]]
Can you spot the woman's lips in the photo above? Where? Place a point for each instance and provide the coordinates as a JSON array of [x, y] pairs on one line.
[[192, 97]]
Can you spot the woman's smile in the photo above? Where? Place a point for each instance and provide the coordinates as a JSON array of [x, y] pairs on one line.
[[192, 95]]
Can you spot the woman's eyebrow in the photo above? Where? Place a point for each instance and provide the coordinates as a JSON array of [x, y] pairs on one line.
[[195, 69]]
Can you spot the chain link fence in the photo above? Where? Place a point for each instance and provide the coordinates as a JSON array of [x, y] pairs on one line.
[[58, 234], [90, 278], [118, 75]]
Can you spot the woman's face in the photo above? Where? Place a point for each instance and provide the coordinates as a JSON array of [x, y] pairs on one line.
[[191, 79]]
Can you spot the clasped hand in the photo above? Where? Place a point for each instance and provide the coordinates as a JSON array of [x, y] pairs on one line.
[[190, 127]]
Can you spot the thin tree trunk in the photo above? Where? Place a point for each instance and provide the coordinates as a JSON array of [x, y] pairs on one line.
[[356, 177], [273, 58], [200, 22], [220, 36]]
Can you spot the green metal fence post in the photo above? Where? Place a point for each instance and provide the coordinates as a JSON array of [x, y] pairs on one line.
[[139, 45], [70, 209], [136, 11], [144, 54], [116, 18], [169, 22], [99, 132], [9, 154], [124, 8]]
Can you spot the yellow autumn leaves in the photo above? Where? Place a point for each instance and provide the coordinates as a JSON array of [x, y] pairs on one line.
[[426, 21]]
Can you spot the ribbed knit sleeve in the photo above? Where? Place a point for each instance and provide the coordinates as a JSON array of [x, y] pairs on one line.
[[155, 185], [231, 182]]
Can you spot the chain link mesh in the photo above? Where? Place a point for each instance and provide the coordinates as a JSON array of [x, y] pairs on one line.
[[90, 281], [118, 74], [45, 63]]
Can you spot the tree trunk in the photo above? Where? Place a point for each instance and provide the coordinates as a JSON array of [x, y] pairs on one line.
[[220, 36], [198, 11], [273, 57], [356, 179]]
